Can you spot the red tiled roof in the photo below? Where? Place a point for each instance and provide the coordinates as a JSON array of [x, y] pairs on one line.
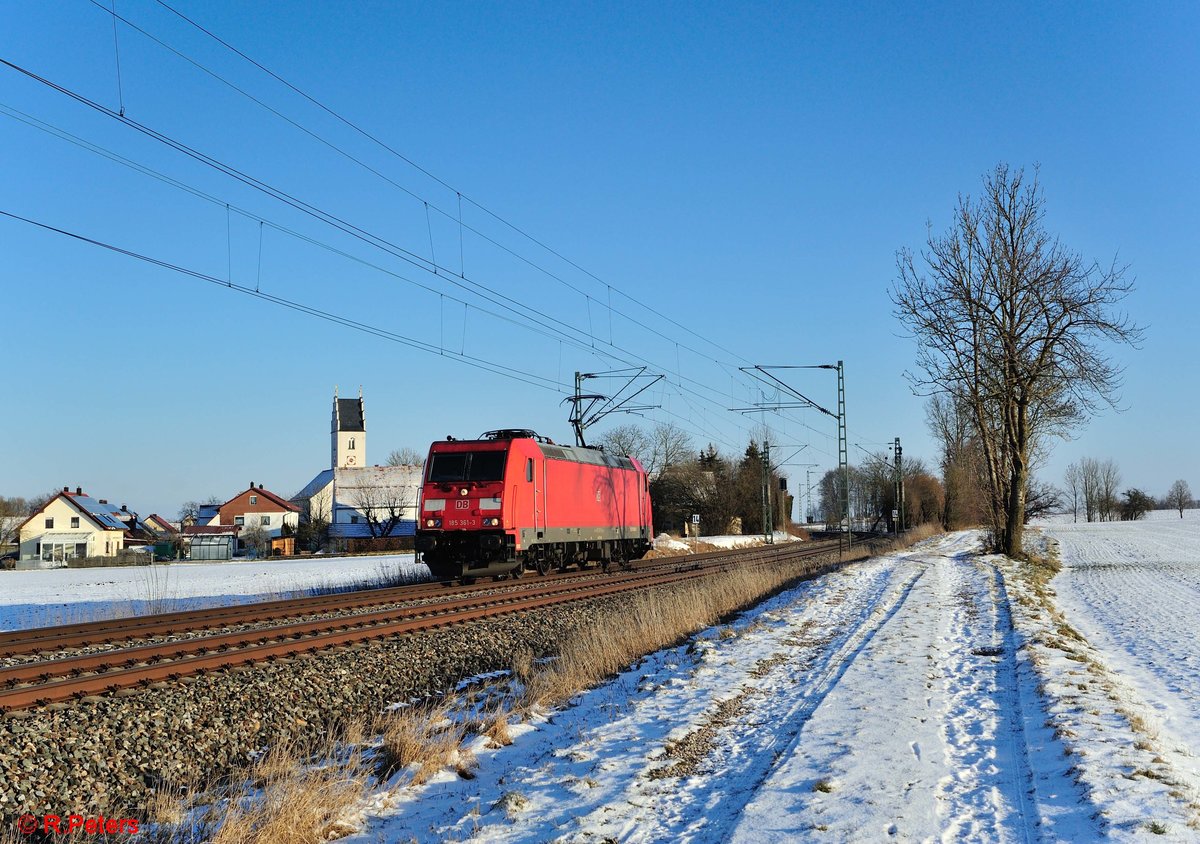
[[211, 530], [265, 493]]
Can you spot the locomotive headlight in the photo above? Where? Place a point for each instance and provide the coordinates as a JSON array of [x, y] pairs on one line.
[[462, 491]]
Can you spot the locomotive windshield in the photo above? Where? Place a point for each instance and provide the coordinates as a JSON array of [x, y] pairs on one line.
[[454, 467]]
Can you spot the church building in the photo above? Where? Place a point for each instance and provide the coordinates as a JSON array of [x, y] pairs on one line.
[[355, 498]]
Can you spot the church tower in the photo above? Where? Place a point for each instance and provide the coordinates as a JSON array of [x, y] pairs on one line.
[[348, 434]]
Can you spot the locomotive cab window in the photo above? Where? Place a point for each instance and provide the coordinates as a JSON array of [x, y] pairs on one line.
[[529, 469], [452, 467]]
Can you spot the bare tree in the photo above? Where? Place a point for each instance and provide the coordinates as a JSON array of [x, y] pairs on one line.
[[630, 440], [314, 524], [1107, 504], [405, 456], [1073, 480], [1089, 483], [1043, 498], [1012, 326], [663, 447], [670, 445], [192, 508], [1179, 496], [383, 506], [255, 538], [13, 511]]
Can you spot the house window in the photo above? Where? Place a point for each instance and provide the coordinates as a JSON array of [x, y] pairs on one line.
[[354, 520], [239, 520], [50, 523], [265, 520], [74, 521], [351, 446], [254, 499]]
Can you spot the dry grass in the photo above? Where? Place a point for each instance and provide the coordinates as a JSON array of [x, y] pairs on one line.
[[495, 728], [657, 619], [293, 803], [425, 738]]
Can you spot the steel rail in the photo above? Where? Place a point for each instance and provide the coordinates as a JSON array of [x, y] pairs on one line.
[[84, 634], [266, 645]]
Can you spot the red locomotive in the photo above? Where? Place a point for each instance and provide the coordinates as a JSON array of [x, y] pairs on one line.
[[513, 500]]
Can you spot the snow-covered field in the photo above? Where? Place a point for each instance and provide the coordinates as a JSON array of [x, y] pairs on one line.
[[935, 694], [65, 596]]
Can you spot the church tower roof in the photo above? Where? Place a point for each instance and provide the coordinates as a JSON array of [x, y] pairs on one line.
[[350, 415]]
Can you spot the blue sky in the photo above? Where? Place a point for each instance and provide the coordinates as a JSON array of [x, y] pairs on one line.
[[744, 172]]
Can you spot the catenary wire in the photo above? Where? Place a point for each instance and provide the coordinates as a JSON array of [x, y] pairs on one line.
[[388, 148]]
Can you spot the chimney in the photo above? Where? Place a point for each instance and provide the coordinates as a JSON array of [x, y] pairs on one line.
[[260, 486], [66, 489], [79, 490], [123, 510], [103, 500]]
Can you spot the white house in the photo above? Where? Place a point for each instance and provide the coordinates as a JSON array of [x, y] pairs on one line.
[[72, 524]]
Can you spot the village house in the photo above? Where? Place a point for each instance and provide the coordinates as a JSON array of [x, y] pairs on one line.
[[73, 525], [257, 507]]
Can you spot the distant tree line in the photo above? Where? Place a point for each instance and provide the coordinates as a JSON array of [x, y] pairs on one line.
[[726, 491], [1090, 487], [873, 494]]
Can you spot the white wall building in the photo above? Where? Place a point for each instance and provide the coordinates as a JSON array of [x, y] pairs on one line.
[[352, 495]]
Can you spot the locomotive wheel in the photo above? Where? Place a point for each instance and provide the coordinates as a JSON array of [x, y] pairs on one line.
[[543, 566], [466, 581], [518, 570]]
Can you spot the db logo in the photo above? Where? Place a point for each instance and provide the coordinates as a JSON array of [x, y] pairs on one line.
[[462, 504], [27, 824]]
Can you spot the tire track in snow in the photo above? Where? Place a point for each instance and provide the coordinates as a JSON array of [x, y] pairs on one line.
[[706, 807], [985, 795], [1021, 770]]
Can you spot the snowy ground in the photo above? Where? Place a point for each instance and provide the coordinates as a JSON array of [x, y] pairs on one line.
[[65, 596], [918, 696]]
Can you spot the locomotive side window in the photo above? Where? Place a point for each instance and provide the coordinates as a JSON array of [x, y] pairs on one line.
[[529, 469], [452, 467]]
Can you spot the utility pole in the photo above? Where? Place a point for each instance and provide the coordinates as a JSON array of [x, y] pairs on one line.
[[899, 459], [764, 374], [808, 511], [844, 455], [768, 522]]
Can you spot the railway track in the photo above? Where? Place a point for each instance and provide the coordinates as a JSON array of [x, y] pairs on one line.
[[280, 630]]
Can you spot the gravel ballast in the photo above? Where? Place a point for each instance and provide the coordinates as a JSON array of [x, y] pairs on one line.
[[109, 754]]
